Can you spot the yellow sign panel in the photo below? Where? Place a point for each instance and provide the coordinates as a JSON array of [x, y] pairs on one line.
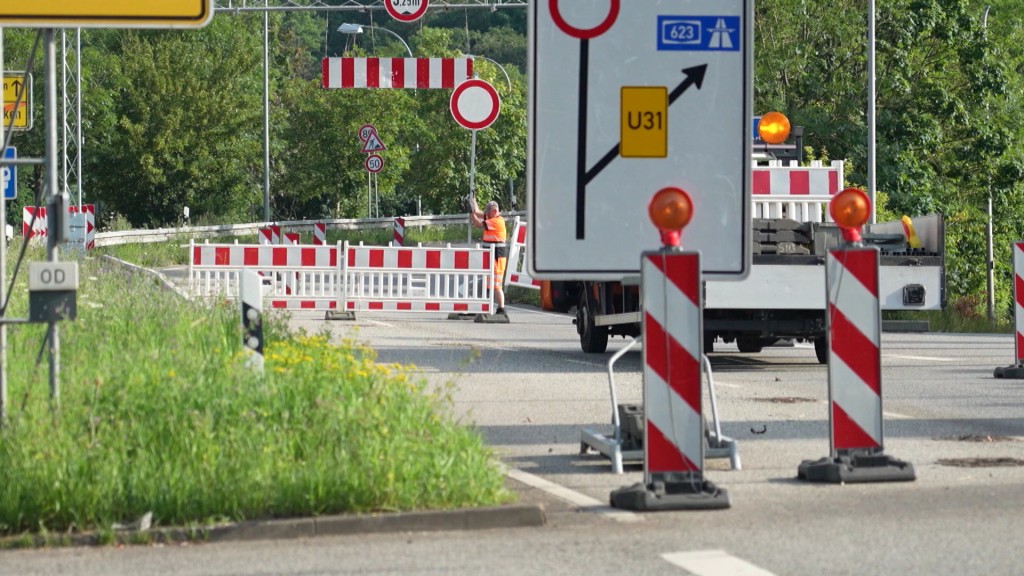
[[106, 13], [14, 82], [643, 122], [22, 116]]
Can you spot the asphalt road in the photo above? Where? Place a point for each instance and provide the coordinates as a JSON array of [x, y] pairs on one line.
[[530, 391]]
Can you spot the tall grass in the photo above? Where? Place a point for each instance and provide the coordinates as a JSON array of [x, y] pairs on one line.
[[158, 413]]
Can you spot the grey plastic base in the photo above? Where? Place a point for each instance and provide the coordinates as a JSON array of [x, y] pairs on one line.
[[1010, 372], [340, 315], [854, 469], [491, 318], [680, 493], [461, 316]]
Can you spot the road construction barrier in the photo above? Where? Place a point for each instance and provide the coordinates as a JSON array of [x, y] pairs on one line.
[[80, 224], [269, 235], [517, 268], [398, 231], [420, 279], [853, 324], [319, 234], [788, 190], [673, 343], [294, 277], [1017, 369]]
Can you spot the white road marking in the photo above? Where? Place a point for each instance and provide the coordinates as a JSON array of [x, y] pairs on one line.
[[713, 563], [572, 497], [896, 415], [380, 323]]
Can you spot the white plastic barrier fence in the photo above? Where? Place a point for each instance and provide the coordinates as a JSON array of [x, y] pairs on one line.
[[294, 277], [517, 269], [797, 192], [420, 279]]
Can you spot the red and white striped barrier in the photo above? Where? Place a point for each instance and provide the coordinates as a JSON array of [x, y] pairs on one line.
[[781, 190], [517, 269], [298, 277], [421, 73], [398, 231], [854, 326], [269, 235], [419, 279], [319, 233], [1017, 369], [291, 239], [82, 226], [673, 340]]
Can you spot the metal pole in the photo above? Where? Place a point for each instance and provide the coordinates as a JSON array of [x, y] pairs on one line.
[[990, 265], [266, 114], [51, 189], [3, 267], [871, 108], [472, 188]]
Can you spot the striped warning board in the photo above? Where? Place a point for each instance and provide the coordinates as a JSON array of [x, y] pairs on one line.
[[418, 73]]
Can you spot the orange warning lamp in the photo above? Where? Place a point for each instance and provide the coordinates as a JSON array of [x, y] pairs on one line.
[[850, 209], [773, 128], [670, 211]]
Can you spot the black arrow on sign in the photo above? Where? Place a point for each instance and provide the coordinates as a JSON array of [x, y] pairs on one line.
[[694, 77]]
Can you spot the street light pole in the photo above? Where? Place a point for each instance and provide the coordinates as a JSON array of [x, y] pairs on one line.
[[989, 261], [348, 28]]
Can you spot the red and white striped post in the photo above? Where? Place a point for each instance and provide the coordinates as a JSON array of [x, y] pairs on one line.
[[854, 325], [1017, 369], [319, 234], [398, 236], [673, 340]]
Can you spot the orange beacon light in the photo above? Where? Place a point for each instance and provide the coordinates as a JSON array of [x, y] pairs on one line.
[[850, 209], [670, 211], [773, 128]]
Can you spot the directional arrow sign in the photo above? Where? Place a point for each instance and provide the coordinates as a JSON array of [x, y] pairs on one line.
[[17, 102], [630, 98]]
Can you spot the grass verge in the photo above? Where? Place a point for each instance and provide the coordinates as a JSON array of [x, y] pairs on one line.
[[158, 413]]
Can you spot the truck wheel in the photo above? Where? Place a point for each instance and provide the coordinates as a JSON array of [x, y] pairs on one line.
[[748, 344], [593, 338], [821, 349]]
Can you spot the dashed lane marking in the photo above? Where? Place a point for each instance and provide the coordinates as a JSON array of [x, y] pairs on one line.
[[714, 563]]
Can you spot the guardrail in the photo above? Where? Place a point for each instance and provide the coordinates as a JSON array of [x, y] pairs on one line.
[[187, 232]]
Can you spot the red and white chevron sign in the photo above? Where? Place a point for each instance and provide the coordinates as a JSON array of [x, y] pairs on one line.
[[1018, 300], [855, 360], [421, 73], [673, 347]]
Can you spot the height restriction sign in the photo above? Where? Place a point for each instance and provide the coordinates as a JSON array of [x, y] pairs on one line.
[[630, 98]]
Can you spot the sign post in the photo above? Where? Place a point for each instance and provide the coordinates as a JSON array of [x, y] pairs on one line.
[[475, 105], [630, 99]]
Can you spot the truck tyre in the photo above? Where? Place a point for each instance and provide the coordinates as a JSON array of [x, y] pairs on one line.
[[750, 344], [821, 349], [593, 338]]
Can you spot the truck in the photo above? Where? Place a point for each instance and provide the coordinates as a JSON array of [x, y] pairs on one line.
[[783, 296]]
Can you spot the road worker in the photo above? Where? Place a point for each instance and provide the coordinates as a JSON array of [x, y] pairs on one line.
[[493, 225]]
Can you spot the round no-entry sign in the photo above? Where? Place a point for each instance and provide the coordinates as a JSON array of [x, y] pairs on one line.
[[406, 10], [475, 104]]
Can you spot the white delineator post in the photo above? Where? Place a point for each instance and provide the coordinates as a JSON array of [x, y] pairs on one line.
[[853, 323], [251, 298], [1017, 369]]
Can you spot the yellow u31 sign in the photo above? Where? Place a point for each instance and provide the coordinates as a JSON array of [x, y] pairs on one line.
[[106, 13]]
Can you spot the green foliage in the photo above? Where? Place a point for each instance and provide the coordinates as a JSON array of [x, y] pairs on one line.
[[158, 413]]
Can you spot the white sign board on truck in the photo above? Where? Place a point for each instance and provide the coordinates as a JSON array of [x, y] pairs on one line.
[[628, 98]]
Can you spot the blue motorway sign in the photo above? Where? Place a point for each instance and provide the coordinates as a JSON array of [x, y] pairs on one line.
[[9, 175], [702, 33]]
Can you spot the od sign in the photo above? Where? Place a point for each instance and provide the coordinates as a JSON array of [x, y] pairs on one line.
[[52, 276]]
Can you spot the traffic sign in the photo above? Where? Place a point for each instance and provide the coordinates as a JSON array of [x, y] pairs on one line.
[[475, 104], [17, 88], [373, 163], [365, 130], [106, 13], [372, 143], [628, 101], [9, 175], [406, 10]]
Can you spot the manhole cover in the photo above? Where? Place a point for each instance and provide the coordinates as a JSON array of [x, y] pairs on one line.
[[785, 400], [978, 438], [981, 462]]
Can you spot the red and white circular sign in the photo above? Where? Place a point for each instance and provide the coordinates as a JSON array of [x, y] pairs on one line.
[[365, 131], [475, 104], [373, 163], [406, 10]]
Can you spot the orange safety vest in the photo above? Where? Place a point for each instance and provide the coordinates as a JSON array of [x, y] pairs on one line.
[[494, 233]]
